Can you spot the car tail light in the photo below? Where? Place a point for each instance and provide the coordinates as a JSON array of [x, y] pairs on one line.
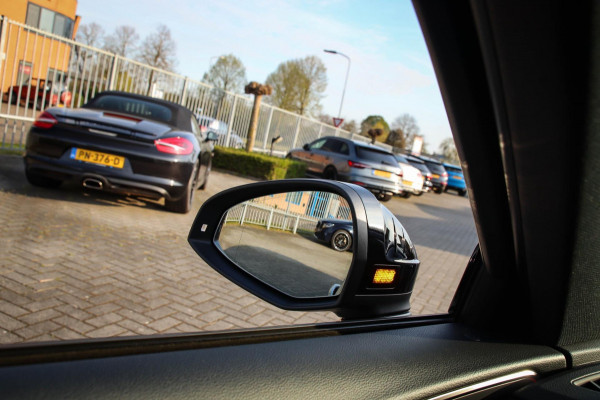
[[400, 174], [355, 164], [45, 120], [174, 145], [445, 174]]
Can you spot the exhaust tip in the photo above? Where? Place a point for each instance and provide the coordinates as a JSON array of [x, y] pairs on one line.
[[91, 183]]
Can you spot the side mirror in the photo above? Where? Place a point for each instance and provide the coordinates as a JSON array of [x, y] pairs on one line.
[[212, 135], [306, 147], [306, 244]]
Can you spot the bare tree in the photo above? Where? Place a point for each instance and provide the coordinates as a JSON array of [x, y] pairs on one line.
[[158, 49], [123, 41], [298, 85], [448, 150], [227, 73], [90, 34], [408, 127]]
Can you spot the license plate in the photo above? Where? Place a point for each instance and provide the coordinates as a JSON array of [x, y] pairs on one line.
[[435, 176], [407, 183], [457, 177], [95, 157], [384, 174]]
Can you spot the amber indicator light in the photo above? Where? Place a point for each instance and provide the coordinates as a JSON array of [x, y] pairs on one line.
[[384, 276]]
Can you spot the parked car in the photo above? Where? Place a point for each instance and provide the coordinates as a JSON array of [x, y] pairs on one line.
[[412, 179], [427, 175], [439, 176], [351, 161], [221, 128], [123, 143], [456, 179], [336, 232], [41, 94]]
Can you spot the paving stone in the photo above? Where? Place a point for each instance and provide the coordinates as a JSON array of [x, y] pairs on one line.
[[103, 265]]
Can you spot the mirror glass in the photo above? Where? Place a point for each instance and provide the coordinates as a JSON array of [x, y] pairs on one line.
[[297, 242]]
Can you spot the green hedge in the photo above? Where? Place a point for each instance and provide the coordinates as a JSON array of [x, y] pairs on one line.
[[257, 165]]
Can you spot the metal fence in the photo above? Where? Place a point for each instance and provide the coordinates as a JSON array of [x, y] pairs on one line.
[[290, 211], [39, 69]]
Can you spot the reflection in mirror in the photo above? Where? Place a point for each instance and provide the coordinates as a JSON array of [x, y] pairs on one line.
[[298, 242]]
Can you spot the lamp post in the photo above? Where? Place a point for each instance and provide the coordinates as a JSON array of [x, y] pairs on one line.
[[346, 81]]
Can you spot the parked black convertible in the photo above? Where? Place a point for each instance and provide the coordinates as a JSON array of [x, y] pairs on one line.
[[122, 143]]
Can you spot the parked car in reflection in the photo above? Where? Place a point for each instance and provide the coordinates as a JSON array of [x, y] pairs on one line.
[[456, 179], [439, 176], [412, 179], [352, 161], [337, 232], [41, 93], [427, 175], [123, 143], [221, 128]]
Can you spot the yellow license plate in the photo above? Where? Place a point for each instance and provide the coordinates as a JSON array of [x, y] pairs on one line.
[[435, 176], [95, 157], [385, 174], [458, 177], [407, 183]]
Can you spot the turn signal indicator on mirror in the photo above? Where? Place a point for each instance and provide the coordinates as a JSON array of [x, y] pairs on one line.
[[384, 276]]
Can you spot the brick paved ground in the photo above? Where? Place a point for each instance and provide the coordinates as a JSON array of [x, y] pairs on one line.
[[75, 264]]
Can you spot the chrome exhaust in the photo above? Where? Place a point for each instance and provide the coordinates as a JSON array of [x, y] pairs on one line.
[[91, 183]]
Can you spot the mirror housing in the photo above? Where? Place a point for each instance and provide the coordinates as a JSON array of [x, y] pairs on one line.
[[306, 147], [381, 244], [212, 135]]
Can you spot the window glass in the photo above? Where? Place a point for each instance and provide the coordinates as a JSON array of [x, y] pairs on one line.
[[132, 106], [318, 144], [374, 155], [33, 15], [46, 20], [60, 23], [89, 264], [68, 32]]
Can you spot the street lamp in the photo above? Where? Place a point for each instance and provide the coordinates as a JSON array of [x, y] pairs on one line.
[[346, 81]]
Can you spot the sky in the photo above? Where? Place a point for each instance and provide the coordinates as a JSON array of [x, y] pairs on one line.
[[390, 73]]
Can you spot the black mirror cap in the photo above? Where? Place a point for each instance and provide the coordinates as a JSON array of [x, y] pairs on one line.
[[380, 242], [306, 147]]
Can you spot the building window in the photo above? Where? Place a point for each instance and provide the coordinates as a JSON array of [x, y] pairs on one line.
[[49, 21], [294, 197], [24, 74]]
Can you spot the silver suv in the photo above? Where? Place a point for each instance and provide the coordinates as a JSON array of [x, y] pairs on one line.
[[346, 160]]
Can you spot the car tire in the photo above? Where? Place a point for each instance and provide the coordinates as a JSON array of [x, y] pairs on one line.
[[418, 193], [341, 240], [462, 192], [386, 197], [206, 175], [183, 205], [437, 190], [330, 173], [406, 195], [41, 181]]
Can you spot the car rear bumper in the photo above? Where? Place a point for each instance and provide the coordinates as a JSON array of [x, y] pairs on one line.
[[106, 178]]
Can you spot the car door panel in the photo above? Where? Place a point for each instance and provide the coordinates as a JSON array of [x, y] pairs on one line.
[[388, 363]]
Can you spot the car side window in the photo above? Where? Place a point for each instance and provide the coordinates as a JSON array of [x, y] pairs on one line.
[[330, 145], [340, 147], [196, 129], [318, 144]]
